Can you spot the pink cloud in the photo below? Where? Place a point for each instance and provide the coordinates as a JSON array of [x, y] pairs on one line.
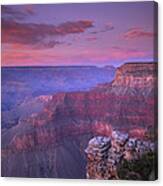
[[125, 53], [112, 54], [15, 55], [137, 32]]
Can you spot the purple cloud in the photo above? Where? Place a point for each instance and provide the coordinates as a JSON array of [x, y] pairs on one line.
[[108, 27], [13, 14], [37, 34]]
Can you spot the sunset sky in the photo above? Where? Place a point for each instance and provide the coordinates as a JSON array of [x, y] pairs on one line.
[[77, 34]]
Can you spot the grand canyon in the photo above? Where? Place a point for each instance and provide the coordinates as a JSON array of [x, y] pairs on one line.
[[79, 91], [49, 133]]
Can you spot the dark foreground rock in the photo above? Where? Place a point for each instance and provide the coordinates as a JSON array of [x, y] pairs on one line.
[[120, 157]]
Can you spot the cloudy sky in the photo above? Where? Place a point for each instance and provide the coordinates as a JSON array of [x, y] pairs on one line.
[[77, 34]]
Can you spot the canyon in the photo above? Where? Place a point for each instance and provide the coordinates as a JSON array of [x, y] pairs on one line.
[[51, 140]]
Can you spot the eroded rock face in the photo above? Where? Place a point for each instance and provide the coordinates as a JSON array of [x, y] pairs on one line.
[[139, 79], [135, 75], [105, 154]]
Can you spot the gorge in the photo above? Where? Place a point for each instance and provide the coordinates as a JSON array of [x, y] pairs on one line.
[[51, 141]]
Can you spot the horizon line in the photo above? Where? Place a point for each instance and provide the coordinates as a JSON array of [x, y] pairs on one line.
[[82, 66]]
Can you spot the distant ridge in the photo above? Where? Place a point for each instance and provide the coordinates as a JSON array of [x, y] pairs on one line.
[[71, 66], [78, 66]]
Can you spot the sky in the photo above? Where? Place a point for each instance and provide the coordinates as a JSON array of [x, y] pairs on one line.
[[77, 34]]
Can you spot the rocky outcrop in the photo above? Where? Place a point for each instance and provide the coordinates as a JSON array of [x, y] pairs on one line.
[[106, 154], [136, 75], [138, 79]]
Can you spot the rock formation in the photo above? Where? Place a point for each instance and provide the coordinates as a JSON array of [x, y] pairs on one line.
[[105, 154], [139, 79]]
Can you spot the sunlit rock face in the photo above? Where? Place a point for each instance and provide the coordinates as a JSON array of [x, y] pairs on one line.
[[135, 75], [51, 142], [105, 154], [139, 79]]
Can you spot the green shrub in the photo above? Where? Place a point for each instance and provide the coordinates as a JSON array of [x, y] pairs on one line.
[[138, 169]]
